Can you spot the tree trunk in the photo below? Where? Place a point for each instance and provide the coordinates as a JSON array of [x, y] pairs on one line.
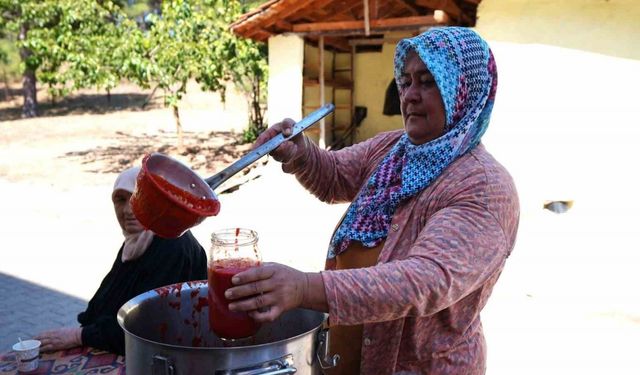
[[52, 96], [7, 92], [30, 105], [149, 98], [256, 103], [108, 96], [176, 116]]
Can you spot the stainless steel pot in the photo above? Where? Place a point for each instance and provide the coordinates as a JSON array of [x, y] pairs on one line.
[[167, 333]]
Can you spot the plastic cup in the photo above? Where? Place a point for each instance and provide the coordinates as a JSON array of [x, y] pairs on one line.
[[27, 353]]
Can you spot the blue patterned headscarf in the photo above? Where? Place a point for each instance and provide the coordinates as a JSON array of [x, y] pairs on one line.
[[465, 72]]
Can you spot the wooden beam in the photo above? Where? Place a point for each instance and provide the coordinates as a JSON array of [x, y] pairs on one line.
[[338, 43], [373, 42], [270, 15], [374, 10], [348, 10], [258, 10], [447, 6], [295, 7], [284, 25], [258, 34], [401, 22], [410, 7]]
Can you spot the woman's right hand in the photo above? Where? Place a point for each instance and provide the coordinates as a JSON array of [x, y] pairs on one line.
[[289, 150]]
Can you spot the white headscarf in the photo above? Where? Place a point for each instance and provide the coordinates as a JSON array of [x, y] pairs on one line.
[[135, 244]]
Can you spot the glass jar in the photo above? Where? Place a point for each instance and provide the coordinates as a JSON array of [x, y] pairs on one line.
[[232, 251]]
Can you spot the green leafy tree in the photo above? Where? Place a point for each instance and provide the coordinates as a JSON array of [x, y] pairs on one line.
[[244, 62], [190, 39], [66, 44], [91, 41], [4, 60], [72, 44], [4, 57], [18, 17], [248, 69]]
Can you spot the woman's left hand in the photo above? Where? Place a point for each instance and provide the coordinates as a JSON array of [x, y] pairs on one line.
[[61, 338], [267, 291]]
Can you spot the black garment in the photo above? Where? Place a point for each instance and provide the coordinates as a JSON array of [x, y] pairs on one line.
[[166, 261]]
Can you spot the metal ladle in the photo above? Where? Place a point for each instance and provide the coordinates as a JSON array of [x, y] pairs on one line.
[[170, 198]]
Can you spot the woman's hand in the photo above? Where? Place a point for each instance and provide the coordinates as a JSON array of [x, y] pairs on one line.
[[267, 291], [289, 150], [61, 338]]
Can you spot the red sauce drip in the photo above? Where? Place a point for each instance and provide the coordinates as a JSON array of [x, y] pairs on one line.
[[169, 289], [194, 293], [185, 197], [224, 323], [175, 305], [202, 302], [163, 292]]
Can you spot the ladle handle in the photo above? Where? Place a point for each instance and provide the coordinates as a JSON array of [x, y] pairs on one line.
[[315, 116]]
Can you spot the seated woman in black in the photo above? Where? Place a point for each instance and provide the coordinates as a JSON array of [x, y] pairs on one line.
[[144, 262]]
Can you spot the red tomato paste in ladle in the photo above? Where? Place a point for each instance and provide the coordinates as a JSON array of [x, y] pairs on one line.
[[190, 200]]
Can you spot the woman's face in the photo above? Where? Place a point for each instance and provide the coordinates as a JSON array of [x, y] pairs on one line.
[[127, 220], [420, 102]]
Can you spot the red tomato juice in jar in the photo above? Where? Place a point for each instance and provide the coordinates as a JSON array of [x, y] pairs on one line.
[[224, 323]]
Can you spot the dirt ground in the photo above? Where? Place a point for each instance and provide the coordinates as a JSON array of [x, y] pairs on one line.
[[567, 302], [87, 134]]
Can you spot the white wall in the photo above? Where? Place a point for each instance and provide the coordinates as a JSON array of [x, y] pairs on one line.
[[286, 56], [566, 125], [610, 27]]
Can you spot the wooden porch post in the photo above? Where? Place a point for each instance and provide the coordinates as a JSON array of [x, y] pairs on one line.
[[322, 140], [367, 28]]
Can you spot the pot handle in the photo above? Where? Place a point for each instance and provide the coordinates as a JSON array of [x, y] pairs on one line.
[[322, 353], [278, 366], [162, 366]]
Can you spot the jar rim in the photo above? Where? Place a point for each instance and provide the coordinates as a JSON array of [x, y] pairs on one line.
[[234, 236]]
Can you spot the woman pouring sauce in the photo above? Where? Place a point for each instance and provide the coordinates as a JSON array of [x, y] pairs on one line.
[[433, 217]]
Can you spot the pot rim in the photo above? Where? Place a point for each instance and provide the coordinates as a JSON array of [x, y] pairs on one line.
[[188, 285]]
